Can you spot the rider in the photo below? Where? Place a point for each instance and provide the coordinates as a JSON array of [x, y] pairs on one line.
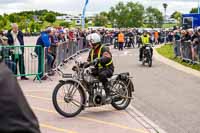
[[102, 57], [145, 41]]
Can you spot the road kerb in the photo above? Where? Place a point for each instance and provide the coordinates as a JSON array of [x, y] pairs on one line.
[[175, 64], [144, 121]]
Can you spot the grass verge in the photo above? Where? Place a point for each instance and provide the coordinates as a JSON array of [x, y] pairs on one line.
[[168, 52]]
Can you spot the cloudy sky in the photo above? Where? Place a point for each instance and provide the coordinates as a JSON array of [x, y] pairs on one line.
[[95, 6]]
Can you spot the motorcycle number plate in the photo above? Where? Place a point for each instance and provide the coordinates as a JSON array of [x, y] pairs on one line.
[[147, 48]]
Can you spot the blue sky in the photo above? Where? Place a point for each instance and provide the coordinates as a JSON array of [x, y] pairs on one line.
[[95, 6]]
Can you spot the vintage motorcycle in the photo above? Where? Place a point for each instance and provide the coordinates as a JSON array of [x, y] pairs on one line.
[[82, 90], [147, 56]]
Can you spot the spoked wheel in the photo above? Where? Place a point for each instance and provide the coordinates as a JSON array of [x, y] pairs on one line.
[[68, 99], [121, 95]]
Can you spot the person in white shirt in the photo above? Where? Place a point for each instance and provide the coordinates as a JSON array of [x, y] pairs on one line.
[[16, 38]]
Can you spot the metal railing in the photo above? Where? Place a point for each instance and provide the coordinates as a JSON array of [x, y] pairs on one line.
[[37, 60], [24, 59], [187, 51]]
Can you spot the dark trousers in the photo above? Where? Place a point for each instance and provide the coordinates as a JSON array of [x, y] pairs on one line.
[[11, 65], [142, 51], [121, 46], [41, 63], [20, 61], [131, 42], [103, 75]]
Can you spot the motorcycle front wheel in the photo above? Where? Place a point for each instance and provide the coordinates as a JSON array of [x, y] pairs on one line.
[[68, 99], [122, 94], [150, 62]]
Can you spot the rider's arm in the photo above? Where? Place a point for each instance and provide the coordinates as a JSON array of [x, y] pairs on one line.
[[89, 57], [106, 57]]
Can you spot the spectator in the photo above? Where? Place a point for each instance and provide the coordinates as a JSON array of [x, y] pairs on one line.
[[44, 42], [185, 36], [71, 35], [53, 47], [15, 113], [121, 40], [196, 43], [156, 37], [16, 38], [177, 38], [6, 54]]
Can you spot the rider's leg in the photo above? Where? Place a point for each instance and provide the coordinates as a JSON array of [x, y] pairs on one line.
[[103, 75], [141, 53], [151, 52]]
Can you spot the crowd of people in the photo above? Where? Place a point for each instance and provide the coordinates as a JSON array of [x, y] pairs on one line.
[[186, 43], [53, 37]]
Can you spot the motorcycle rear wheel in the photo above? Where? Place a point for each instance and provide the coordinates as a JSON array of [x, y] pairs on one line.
[[120, 87]]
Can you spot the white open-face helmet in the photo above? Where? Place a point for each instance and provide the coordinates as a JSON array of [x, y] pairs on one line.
[[94, 38]]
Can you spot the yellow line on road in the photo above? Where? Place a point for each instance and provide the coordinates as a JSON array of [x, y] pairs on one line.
[[46, 91], [56, 128], [96, 121], [42, 98], [113, 124], [50, 100]]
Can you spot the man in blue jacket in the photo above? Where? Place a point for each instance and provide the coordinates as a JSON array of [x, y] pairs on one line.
[[16, 38], [43, 43]]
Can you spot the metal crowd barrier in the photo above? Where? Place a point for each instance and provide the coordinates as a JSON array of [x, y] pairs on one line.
[[67, 49], [22, 60], [187, 51], [107, 39], [37, 60]]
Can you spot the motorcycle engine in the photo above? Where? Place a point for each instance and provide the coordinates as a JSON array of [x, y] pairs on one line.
[[98, 100]]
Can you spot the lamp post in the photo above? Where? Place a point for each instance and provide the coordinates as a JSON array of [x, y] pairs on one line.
[[165, 10]]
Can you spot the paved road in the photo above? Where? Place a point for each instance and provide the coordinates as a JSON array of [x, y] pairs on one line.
[[93, 120], [168, 97]]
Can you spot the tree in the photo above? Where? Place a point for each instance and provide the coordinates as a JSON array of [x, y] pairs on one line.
[[65, 24], [194, 10], [14, 18], [129, 15], [51, 18], [22, 24], [153, 18], [1, 17], [32, 26], [101, 19], [177, 15], [38, 27]]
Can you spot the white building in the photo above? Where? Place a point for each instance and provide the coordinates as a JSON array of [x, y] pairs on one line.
[[70, 18]]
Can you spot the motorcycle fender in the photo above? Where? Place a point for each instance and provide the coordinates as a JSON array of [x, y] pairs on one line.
[[130, 85]]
